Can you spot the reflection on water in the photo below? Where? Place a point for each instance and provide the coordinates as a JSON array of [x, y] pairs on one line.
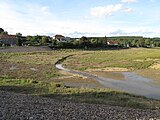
[[133, 76], [133, 83]]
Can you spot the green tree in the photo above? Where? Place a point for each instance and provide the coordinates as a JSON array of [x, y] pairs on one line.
[[44, 40], [84, 42], [1, 30], [19, 39]]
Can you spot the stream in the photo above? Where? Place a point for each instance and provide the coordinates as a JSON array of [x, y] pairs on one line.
[[132, 83]]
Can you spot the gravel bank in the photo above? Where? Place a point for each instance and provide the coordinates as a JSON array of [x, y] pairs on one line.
[[24, 107]]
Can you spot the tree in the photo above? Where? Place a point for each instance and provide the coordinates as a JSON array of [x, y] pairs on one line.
[[1, 30], [19, 39], [94, 42], [44, 40], [5, 33], [84, 42], [19, 34]]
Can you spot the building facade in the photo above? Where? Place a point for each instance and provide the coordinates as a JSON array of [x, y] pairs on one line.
[[8, 40]]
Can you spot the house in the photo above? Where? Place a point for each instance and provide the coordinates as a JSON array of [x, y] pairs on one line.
[[112, 43], [59, 37], [62, 38], [8, 40]]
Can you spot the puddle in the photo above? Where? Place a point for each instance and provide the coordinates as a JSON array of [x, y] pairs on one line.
[[134, 85]]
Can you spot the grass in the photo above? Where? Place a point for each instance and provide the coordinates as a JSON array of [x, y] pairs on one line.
[[31, 65], [34, 73], [145, 62], [132, 59], [87, 95]]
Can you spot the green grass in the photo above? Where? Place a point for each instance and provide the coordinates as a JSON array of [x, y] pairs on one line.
[[87, 95], [131, 59], [32, 65]]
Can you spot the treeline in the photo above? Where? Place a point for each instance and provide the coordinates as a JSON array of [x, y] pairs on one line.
[[38, 40], [2, 32], [87, 42], [95, 42], [108, 42]]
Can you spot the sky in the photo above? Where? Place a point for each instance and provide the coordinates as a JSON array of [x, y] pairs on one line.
[[76, 18]]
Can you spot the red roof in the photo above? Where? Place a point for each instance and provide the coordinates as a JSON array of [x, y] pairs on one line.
[[7, 36], [59, 36], [112, 43]]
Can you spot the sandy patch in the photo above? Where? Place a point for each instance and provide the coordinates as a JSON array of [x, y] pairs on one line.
[[33, 69], [139, 60], [109, 69], [155, 66], [69, 75], [148, 59]]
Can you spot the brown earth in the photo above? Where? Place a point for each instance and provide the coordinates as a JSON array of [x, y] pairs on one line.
[[111, 75]]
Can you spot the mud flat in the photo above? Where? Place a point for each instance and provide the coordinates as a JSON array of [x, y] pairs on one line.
[[132, 83]]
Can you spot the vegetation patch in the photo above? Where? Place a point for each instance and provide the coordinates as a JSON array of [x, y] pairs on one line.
[[130, 59], [87, 95], [31, 65]]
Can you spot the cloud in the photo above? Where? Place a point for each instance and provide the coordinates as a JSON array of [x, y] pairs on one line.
[[45, 9], [26, 18], [117, 32], [80, 34], [128, 10], [35, 18], [128, 1], [146, 32], [152, 0], [102, 11]]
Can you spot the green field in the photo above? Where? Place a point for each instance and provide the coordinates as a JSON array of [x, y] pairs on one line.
[[34, 73], [143, 61], [132, 59], [31, 65]]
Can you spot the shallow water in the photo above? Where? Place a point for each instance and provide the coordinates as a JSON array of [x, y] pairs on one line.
[[132, 83]]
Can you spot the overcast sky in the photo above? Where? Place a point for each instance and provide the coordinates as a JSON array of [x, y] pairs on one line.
[[76, 18]]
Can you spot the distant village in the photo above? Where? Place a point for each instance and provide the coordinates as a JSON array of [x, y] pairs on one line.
[[61, 41]]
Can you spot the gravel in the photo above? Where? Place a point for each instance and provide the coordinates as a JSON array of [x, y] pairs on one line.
[[26, 107]]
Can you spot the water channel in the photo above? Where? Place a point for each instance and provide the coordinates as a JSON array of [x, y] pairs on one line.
[[132, 83]]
